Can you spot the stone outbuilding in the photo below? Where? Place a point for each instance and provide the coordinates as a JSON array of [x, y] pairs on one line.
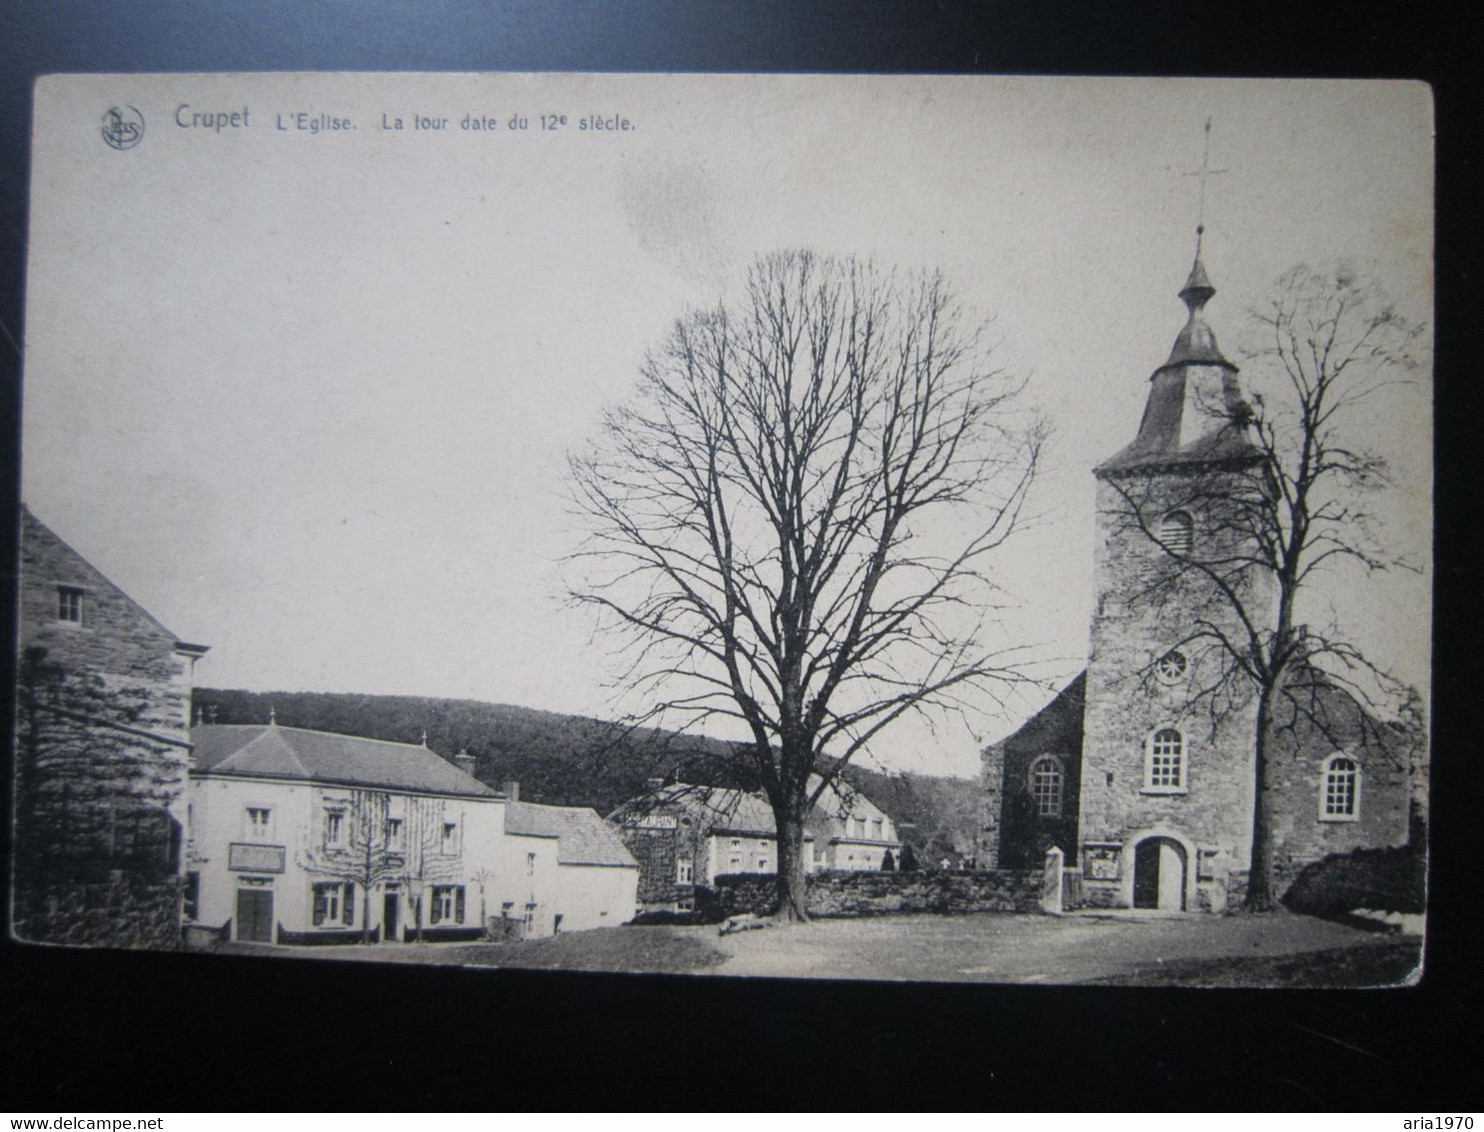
[[102, 748]]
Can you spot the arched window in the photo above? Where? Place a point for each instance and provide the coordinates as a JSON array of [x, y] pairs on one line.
[[1165, 762], [1339, 789], [1046, 786], [1176, 531]]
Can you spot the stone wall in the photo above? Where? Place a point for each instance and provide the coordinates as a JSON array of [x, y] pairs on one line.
[[127, 912], [102, 751], [1018, 835], [1330, 723], [841, 894], [656, 851], [1146, 606]]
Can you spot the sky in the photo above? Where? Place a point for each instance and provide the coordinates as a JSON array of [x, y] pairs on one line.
[[307, 395]]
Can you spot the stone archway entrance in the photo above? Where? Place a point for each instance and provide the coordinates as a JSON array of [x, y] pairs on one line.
[[1159, 874]]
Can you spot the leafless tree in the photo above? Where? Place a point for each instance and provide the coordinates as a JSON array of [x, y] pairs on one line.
[[1279, 516], [361, 855], [791, 524]]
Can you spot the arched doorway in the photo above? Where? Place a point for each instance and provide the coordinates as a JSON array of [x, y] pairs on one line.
[[1159, 874]]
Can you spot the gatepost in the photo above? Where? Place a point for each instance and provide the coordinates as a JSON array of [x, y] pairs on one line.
[[1051, 882]]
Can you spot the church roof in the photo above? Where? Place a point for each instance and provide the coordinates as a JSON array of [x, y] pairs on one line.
[[1195, 413], [320, 756]]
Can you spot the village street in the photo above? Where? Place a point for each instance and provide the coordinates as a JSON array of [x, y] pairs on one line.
[[1191, 950]]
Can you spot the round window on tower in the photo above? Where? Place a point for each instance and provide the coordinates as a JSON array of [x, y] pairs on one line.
[[1171, 667]]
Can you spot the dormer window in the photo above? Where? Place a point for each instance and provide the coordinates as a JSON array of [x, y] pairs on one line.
[[1176, 532], [69, 605]]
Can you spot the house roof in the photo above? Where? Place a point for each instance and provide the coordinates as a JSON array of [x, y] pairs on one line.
[[321, 756], [583, 838], [33, 529]]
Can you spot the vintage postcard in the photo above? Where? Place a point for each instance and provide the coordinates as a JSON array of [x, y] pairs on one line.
[[869, 527]]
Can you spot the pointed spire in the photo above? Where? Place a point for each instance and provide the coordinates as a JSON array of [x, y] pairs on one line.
[[425, 737], [272, 716], [1196, 343], [1197, 291]]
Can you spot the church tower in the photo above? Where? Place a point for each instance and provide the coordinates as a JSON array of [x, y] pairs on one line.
[[1166, 785]]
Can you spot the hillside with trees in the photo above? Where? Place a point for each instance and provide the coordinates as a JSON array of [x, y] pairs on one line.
[[569, 760]]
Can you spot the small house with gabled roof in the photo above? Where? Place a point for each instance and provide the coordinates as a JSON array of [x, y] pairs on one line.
[[590, 881]]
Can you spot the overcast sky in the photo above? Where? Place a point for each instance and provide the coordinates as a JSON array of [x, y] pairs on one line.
[[306, 395]]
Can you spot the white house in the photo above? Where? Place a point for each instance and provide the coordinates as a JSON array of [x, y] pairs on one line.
[[306, 837], [580, 861]]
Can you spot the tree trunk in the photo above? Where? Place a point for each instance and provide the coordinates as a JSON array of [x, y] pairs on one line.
[[366, 914], [1260, 868], [792, 890]]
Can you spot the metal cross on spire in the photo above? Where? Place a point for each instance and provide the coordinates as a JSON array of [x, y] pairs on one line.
[[1205, 172]]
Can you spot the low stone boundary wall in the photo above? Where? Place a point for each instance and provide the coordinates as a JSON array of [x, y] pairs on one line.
[[883, 894]]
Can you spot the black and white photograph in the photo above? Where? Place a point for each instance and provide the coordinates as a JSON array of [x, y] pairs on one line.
[[932, 529]]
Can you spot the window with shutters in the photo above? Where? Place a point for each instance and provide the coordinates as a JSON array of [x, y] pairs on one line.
[[448, 904], [334, 904]]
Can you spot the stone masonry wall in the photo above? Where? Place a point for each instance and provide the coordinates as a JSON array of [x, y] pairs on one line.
[[655, 850], [1141, 615], [1384, 753], [841, 894], [100, 806], [1020, 834]]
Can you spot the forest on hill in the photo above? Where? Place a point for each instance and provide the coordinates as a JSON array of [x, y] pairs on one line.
[[569, 760]]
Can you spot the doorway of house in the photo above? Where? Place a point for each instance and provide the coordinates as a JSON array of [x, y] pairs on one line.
[[255, 915], [389, 911], [1159, 874]]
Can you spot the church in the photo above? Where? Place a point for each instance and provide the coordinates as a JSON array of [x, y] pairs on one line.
[[1140, 774]]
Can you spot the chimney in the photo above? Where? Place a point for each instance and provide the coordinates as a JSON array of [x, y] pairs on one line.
[[653, 784], [511, 789], [465, 761]]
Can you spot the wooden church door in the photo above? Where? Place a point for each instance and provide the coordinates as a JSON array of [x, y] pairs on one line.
[[1159, 875]]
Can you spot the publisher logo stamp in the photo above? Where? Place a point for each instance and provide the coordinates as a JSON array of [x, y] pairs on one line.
[[123, 127]]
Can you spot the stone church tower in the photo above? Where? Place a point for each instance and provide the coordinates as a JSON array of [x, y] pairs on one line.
[[1141, 770], [1166, 788]]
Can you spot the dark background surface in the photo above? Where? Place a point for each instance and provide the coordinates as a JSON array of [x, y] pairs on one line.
[[117, 1032]]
